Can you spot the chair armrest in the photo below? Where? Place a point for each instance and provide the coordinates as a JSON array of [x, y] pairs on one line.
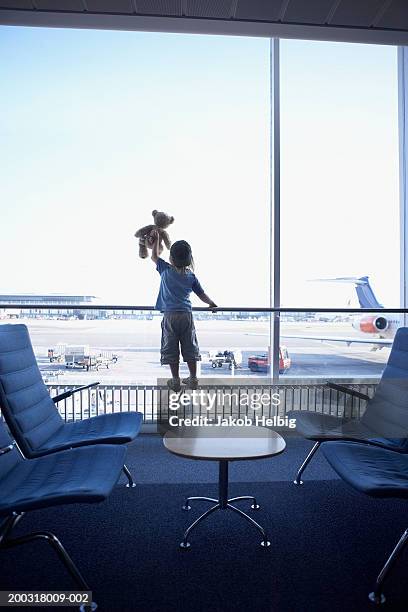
[[6, 449], [344, 389], [66, 394]]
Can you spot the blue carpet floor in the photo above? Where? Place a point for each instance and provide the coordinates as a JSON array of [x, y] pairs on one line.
[[328, 541], [154, 464]]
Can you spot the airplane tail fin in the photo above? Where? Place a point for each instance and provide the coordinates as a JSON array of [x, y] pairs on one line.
[[365, 294]]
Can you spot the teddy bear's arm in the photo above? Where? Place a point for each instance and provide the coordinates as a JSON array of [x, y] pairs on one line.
[[166, 239], [144, 230]]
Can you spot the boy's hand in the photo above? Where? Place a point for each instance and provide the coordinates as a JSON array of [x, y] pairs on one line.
[[204, 298]]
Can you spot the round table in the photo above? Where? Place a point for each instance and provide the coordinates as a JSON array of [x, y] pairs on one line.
[[224, 444]]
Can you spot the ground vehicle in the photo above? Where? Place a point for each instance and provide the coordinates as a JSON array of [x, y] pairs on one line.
[[230, 358], [81, 356], [57, 354], [103, 360], [260, 362], [77, 356]]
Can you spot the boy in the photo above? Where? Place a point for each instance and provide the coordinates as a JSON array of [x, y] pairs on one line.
[[177, 282]]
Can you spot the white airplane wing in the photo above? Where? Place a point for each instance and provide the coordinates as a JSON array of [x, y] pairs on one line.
[[346, 340]]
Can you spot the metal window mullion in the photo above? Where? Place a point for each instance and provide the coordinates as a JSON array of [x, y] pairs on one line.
[[274, 260], [403, 160]]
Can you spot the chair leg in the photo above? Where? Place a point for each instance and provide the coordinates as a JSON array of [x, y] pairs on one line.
[[376, 596], [298, 478], [131, 483], [57, 546], [8, 525]]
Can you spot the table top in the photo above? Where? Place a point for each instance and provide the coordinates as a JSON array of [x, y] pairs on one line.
[[224, 443]]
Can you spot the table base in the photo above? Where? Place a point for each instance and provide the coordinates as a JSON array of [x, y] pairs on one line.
[[223, 503]]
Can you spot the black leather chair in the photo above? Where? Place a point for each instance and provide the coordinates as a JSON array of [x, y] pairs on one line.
[[385, 420], [377, 472], [30, 412], [80, 475]]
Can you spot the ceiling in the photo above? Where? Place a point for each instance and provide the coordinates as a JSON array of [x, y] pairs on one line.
[[381, 21]]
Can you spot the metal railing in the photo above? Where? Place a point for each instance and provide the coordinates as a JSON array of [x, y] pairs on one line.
[[127, 307], [155, 402]]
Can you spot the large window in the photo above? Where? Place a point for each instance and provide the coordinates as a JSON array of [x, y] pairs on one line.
[[339, 183], [100, 128]]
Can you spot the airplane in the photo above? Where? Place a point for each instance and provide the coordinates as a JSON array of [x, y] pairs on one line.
[[379, 330]]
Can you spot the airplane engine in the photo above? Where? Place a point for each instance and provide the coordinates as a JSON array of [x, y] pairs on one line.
[[371, 324]]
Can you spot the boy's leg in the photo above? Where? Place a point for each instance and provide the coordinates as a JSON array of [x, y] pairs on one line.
[[174, 383], [190, 350], [170, 352], [192, 366], [175, 368], [192, 381]]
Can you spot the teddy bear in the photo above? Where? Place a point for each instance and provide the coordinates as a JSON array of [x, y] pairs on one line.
[[145, 234]]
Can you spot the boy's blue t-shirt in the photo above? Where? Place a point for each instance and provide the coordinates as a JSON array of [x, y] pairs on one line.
[[175, 288]]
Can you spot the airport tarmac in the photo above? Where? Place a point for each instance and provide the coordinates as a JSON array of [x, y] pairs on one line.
[[137, 342]]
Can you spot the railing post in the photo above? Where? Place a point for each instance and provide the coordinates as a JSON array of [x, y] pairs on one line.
[[155, 406]]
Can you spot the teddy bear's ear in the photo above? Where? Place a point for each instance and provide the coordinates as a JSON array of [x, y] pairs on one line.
[[154, 213], [171, 220]]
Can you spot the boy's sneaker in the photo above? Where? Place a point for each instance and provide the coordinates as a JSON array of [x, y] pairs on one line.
[[174, 384], [190, 382]]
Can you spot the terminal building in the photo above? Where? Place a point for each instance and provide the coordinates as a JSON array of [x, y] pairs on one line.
[[37, 307], [36, 303]]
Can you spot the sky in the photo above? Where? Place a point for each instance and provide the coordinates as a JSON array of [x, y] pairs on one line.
[[339, 178], [99, 128]]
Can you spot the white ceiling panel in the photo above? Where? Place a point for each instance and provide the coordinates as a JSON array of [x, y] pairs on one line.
[[159, 7], [220, 9], [259, 10], [110, 6]]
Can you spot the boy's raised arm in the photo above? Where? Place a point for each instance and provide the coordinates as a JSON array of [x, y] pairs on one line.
[[204, 298], [155, 248]]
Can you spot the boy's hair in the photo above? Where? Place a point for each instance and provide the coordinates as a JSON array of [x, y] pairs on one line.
[[181, 256]]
